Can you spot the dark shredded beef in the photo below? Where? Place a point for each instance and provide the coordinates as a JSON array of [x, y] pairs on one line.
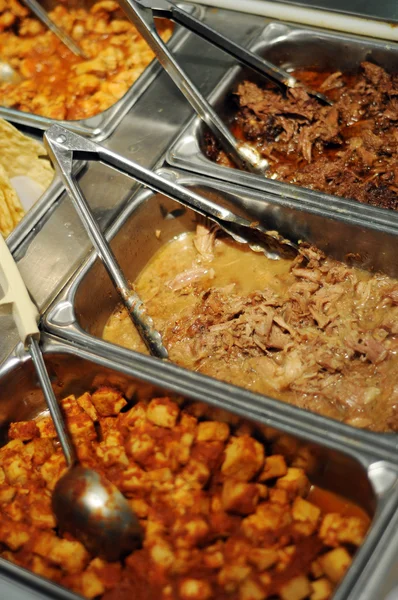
[[349, 149]]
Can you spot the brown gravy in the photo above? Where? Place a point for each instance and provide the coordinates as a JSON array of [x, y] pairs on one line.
[[352, 361]]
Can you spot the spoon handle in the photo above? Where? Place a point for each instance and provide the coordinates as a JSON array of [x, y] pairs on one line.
[[42, 15], [52, 404], [16, 299]]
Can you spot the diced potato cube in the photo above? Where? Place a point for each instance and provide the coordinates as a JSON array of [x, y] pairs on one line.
[[195, 589], [70, 407], [274, 466], [231, 576], [52, 470], [7, 493], [81, 426], [40, 449], [335, 563], [263, 558], [251, 590], [297, 588], [41, 567], [212, 431], [316, 569], [294, 482], [108, 401], [278, 496], [41, 516], [23, 430], [17, 471], [239, 497], [195, 472], [46, 428], [134, 417], [306, 512], [91, 585], [70, 555], [268, 517], [244, 457], [188, 422], [336, 530], [321, 589], [213, 557], [162, 554], [14, 534], [109, 573], [85, 402], [163, 412], [190, 533]]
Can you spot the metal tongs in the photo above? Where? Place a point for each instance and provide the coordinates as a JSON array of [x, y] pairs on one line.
[[63, 146], [142, 14]]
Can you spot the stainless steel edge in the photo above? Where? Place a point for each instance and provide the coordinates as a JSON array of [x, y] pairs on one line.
[[186, 152], [60, 319], [101, 126], [50, 255], [39, 210], [382, 475], [386, 10]]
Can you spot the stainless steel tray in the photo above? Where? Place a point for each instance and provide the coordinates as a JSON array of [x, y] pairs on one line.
[[83, 307], [289, 46], [352, 469], [102, 125]]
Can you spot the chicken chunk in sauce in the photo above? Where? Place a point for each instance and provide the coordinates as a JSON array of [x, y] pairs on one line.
[[55, 82], [313, 332], [225, 514]]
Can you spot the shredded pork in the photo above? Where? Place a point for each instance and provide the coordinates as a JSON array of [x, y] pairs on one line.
[[349, 149]]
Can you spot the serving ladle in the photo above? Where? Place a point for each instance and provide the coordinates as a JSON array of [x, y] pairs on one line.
[[85, 503], [142, 14]]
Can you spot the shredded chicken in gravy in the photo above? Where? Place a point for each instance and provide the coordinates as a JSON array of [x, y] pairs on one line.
[[226, 506], [55, 82], [313, 331]]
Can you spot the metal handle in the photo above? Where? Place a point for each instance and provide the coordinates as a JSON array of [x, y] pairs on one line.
[[26, 315], [42, 15], [52, 404], [56, 139], [242, 154], [247, 58]]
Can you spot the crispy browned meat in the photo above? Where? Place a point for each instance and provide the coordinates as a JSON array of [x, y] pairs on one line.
[[349, 149], [224, 514]]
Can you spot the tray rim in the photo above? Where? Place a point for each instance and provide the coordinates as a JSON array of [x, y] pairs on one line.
[[184, 153], [60, 320], [99, 127], [386, 500]]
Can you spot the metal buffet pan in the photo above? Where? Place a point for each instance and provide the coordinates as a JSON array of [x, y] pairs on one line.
[[83, 307], [41, 207], [102, 125], [291, 47], [356, 471]]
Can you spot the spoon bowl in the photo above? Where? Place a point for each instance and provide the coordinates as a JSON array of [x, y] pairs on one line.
[[8, 74], [93, 510]]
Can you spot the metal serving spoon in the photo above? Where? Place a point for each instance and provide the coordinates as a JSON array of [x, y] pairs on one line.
[[142, 13], [85, 504], [36, 8], [8, 74]]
